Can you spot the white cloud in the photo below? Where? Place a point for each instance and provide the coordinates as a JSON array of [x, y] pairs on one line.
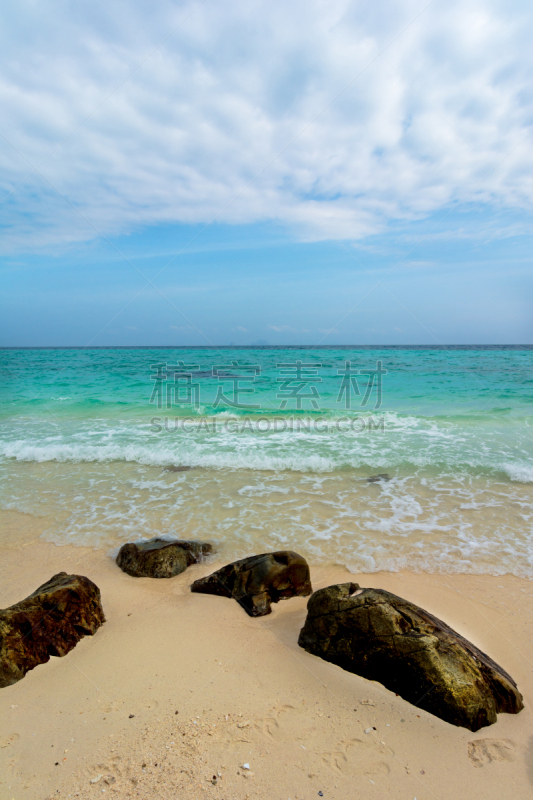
[[259, 110]]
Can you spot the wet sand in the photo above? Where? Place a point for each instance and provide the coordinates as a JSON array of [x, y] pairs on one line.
[[176, 692]]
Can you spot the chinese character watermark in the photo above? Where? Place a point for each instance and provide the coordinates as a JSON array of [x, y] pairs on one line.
[[223, 376], [302, 376], [349, 384], [174, 384]]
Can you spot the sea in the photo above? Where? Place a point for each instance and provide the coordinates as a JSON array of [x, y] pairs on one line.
[[374, 458]]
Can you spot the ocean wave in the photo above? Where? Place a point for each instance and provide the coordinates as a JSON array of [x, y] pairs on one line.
[[393, 442], [23, 451], [290, 455], [519, 472]]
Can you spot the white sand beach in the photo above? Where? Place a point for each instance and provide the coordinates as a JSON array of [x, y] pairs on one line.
[[267, 310], [177, 693]]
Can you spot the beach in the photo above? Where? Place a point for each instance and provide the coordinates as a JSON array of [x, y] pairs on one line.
[[420, 485], [176, 692], [266, 401]]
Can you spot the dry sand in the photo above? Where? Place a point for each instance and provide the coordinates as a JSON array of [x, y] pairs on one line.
[[177, 691]]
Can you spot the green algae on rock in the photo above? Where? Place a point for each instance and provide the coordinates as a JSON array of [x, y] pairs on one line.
[[382, 637], [50, 622]]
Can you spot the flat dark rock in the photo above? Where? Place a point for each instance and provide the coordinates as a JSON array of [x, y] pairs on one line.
[[382, 476], [258, 581], [172, 468], [384, 638], [50, 622], [160, 558]]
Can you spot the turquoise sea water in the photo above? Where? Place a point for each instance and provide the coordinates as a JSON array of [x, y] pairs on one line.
[[279, 453]]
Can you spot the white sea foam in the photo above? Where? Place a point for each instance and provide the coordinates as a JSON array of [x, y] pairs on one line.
[[450, 524], [445, 509], [406, 441], [519, 472]]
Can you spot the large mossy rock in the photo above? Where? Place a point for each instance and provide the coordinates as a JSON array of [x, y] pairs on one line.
[[383, 638], [258, 581], [50, 622], [160, 558]]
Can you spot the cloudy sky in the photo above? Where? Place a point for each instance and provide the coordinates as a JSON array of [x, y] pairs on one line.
[[303, 172]]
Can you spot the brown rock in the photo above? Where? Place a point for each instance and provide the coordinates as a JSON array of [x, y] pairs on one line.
[[258, 581], [383, 638], [382, 476], [160, 558], [50, 622]]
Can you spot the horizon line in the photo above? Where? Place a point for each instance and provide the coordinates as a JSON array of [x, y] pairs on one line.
[[265, 346]]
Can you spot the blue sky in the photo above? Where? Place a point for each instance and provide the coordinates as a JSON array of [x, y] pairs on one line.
[[208, 173]]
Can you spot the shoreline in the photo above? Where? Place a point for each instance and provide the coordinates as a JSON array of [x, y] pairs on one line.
[[245, 693]]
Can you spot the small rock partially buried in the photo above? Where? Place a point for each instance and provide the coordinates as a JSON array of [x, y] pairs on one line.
[[50, 622], [160, 558], [258, 581], [384, 638], [382, 476]]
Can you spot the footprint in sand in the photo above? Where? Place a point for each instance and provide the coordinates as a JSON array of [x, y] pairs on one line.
[[284, 709], [367, 744], [340, 763], [483, 751], [336, 760], [114, 767], [7, 740], [357, 757], [271, 727]]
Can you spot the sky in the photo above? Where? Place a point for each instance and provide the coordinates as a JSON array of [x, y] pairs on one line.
[[313, 172]]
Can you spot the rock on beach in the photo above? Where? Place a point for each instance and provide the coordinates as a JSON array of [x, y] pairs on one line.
[[258, 581], [382, 637], [50, 622], [160, 558]]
